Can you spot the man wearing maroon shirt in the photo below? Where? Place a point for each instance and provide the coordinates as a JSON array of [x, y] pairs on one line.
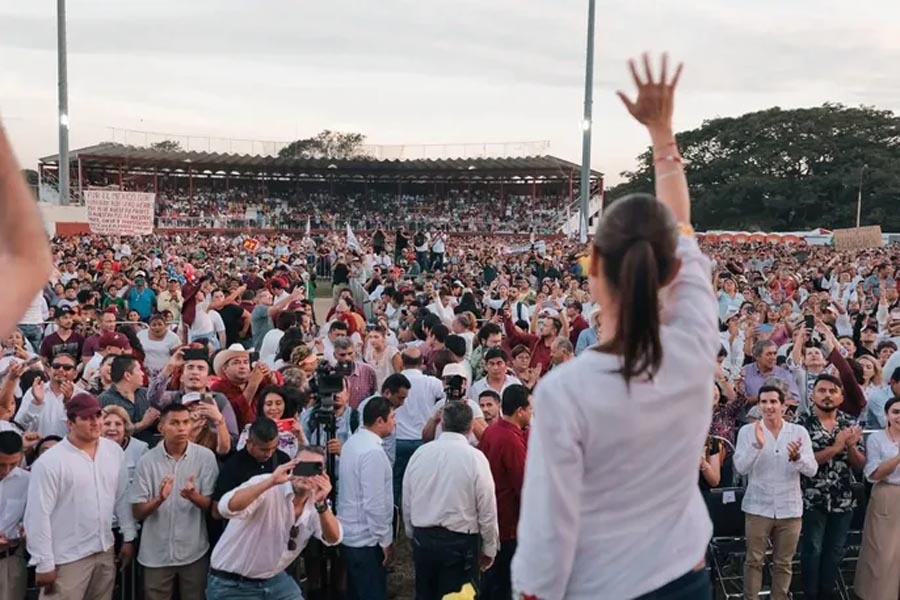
[[504, 444], [577, 322], [538, 344]]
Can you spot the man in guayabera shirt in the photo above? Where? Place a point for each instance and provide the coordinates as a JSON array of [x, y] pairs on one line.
[[84, 475], [171, 495]]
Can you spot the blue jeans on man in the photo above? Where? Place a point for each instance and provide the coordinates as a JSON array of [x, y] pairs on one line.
[[821, 550], [280, 587], [405, 449], [366, 575]]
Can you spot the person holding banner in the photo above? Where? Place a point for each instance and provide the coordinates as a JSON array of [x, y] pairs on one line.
[[24, 248]]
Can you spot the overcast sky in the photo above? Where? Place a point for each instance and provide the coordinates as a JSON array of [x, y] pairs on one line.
[[424, 72]]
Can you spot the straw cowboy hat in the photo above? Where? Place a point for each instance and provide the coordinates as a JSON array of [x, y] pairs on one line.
[[222, 358]]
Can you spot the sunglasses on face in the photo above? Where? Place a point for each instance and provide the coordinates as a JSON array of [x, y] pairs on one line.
[[63, 367]]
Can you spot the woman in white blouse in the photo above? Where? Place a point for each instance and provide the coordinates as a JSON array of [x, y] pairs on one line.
[[610, 504], [878, 567]]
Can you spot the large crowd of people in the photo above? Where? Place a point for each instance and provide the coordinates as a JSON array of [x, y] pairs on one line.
[[543, 422], [209, 203]]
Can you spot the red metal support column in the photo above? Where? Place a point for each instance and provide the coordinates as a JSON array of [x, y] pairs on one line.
[[191, 183], [155, 180], [121, 180]]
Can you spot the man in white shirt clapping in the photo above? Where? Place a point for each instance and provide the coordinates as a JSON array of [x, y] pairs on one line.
[[366, 503], [450, 508], [774, 453], [76, 487]]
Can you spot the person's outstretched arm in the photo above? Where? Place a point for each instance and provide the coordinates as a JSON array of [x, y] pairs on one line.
[[26, 263], [654, 107]]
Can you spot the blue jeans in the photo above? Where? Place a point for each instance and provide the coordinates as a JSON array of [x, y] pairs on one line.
[[366, 577], [445, 561], [405, 449], [280, 587], [694, 585], [821, 550]]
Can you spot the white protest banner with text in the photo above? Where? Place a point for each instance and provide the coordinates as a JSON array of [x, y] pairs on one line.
[[111, 212]]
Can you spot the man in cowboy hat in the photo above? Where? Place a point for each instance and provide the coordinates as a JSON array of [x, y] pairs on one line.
[[241, 382]]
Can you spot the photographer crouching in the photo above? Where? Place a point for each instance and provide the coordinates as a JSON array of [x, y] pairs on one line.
[[271, 519]]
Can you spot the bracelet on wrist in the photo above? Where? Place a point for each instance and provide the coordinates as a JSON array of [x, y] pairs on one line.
[[669, 158]]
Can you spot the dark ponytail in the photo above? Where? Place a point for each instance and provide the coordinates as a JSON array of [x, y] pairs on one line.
[[638, 311], [636, 240]]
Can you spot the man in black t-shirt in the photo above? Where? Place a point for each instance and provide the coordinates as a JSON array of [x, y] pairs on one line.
[[261, 455], [64, 340], [401, 244], [340, 275], [237, 323], [378, 240]]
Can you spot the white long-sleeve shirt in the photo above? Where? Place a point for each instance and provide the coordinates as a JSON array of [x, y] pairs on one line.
[[71, 502], [607, 464], [880, 448], [255, 541], [448, 484], [424, 393], [13, 493], [774, 488], [48, 418], [366, 502]]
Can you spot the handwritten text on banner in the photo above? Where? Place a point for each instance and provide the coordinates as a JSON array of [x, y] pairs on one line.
[[119, 213]]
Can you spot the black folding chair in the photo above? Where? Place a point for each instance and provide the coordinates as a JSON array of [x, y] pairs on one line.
[[727, 549]]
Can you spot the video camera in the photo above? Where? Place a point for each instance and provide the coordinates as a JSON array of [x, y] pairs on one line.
[[327, 381], [454, 388]]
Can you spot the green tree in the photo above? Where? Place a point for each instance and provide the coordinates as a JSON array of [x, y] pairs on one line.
[[327, 144], [167, 146], [788, 169], [31, 176]]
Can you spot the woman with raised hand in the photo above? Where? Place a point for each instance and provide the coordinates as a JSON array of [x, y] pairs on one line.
[[610, 503]]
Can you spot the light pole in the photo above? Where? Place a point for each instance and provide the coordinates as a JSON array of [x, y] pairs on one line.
[[859, 195], [586, 127], [62, 76]]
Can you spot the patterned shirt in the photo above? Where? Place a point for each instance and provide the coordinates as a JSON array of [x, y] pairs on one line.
[[829, 490]]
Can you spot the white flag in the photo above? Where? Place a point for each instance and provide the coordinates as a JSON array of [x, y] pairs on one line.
[[352, 242], [307, 226]]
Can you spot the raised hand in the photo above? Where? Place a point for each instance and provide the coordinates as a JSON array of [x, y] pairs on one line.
[[165, 487], [760, 434], [282, 474], [149, 417], [856, 433], [655, 100], [321, 487], [37, 391], [794, 449], [68, 390], [189, 490]]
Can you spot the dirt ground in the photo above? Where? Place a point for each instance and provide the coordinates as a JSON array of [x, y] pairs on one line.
[[401, 580]]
